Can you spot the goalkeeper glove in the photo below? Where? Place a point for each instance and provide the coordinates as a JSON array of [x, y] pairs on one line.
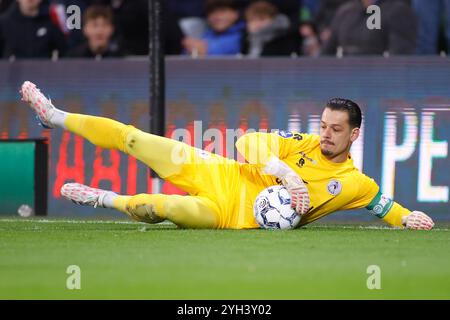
[[292, 182], [417, 220]]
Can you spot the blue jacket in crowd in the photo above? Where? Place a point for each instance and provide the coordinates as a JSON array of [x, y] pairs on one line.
[[228, 42]]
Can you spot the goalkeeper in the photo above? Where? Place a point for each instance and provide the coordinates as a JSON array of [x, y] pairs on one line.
[[317, 170]]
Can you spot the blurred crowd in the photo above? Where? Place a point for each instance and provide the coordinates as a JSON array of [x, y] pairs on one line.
[[253, 28]]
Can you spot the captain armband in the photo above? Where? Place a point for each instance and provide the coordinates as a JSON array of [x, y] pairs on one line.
[[380, 205]]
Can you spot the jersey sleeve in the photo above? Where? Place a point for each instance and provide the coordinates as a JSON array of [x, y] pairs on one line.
[[394, 217], [258, 148], [369, 196], [367, 190]]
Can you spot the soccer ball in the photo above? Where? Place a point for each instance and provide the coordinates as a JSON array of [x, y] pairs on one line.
[[273, 210]]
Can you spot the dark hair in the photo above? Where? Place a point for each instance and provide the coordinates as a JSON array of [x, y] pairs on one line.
[[212, 5], [98, 11], [261, 8], [353, 110]]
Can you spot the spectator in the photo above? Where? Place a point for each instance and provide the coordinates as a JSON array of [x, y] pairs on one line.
[[290, 8], [269, 32], [431, 14], [59, 16], [131, 22], [324, 16], [225, 30], [25, 32], [349, 29], [310, 45], [98, 28]]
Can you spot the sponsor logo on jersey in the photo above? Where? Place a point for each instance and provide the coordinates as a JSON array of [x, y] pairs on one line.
[[334, 187], [204, 154], [285, 134], [307, 158], [301, 162], [297, 136]]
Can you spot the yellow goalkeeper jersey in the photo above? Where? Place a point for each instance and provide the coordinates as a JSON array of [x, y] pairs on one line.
[[331, 186]]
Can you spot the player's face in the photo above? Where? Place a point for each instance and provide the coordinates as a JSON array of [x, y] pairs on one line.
[[336, 135]]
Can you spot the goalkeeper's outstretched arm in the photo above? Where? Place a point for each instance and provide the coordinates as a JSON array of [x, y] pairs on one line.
[[398, 216]]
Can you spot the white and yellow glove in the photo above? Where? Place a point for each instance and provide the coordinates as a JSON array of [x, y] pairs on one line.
[[417, 220], [292, 182]]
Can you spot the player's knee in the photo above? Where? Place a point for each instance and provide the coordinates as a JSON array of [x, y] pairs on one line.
[[144, 208], [131, 137], [177, 209]]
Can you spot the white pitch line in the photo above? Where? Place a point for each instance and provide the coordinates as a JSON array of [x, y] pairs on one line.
[[83, 221], [367, 228], [70, 221], [356, 227]]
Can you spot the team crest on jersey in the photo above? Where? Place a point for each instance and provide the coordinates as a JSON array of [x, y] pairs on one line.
[[334, 187], [285, 134]]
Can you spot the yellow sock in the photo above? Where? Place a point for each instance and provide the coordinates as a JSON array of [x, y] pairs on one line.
[[120, 203]]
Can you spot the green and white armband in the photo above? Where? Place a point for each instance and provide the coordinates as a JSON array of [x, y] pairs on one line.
[[380, 205]]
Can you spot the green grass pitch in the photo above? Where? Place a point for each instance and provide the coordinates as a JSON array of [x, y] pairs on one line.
[[124, 260]]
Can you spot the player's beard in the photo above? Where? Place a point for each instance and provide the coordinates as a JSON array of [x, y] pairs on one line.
[[330, 154], [333, 154], [326, 153]]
